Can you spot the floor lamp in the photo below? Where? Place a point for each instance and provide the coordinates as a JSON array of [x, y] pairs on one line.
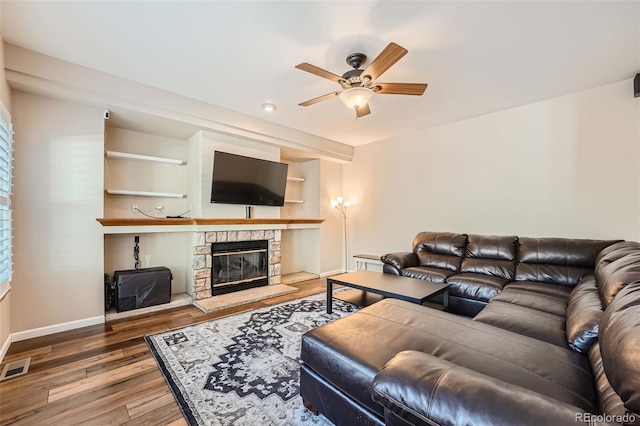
[[342, 205]]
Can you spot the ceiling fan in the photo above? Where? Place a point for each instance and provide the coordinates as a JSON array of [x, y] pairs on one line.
[[358, 86]]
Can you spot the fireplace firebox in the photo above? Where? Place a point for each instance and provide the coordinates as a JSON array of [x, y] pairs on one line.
[[239, 265]]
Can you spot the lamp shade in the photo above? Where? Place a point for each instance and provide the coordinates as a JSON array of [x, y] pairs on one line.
[[356, 97]]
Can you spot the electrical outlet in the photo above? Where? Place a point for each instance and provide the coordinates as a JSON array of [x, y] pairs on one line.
[[134, 208]]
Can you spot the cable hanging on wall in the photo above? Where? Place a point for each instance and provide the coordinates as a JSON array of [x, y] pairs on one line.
[[136, 251]]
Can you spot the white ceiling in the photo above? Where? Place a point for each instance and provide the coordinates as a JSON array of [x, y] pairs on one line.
[[477, 56]]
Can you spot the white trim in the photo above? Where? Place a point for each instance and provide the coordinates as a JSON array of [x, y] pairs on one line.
[[4, 112], [329, 273], [5, 347], [4, 289], [56, 328]]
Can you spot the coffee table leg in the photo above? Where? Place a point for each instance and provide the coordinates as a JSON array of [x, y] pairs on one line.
[[329, 296], [445, 299]]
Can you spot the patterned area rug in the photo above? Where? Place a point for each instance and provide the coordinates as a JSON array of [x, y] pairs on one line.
[[243, 369]]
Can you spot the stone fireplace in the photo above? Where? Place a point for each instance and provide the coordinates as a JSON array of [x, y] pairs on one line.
[[216, 273], [239, 265]]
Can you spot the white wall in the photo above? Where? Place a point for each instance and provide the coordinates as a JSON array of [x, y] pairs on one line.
[[331, 237], [58, 244], [566, 167], [5, 299], [201, 149]]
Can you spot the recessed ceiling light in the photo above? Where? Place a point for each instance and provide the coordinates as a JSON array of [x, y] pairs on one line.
[[269, 107]]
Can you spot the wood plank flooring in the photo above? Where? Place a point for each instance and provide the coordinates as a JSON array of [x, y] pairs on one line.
[[104, 374]]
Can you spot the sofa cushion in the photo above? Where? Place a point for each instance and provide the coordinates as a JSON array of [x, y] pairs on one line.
[[475, 286], [400, 260], [555, 290], [491, 255], [442, 250], [435, 275], [349, 352], [525, 321], [444, 393], [614, 276], [620, 345], [560, 261], [537, 301], [616, 251], [610, 402], [584, 312]]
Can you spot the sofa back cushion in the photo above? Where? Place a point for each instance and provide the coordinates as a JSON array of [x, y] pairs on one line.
[[614, 266], [560, 261], [491, 255], [615, 252], [442, 250], [584, 312], [614, 276], [620, 345]]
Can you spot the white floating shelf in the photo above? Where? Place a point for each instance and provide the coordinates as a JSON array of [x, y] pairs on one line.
[[145, 193], [295, 179], [294, 201], [129, 156]]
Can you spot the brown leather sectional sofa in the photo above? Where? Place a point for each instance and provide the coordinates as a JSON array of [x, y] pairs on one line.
[[554, 338]]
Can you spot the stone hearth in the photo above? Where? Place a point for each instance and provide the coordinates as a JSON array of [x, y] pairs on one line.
[[202, 258]]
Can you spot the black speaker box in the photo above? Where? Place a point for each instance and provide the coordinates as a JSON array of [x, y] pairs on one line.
[[140, 288], [636, 86]]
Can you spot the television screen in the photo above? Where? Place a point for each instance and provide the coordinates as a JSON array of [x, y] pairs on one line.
[[250, 181]]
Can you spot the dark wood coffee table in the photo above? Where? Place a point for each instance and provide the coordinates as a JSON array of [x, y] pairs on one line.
[[386, 285]]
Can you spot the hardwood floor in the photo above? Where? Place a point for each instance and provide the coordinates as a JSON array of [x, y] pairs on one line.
[[104, 374]]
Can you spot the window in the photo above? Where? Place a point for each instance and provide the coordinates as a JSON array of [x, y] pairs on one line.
[[6, 165]]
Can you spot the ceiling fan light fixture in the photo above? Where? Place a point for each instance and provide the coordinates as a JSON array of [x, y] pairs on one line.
[[269, 107], [356, 97]]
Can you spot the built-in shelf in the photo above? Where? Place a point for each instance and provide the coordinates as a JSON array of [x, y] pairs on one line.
[[145, 193], [134, 221], [294, 201], [129, 156], [295, 179]]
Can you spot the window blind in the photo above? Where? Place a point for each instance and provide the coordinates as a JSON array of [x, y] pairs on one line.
[[6, 167]]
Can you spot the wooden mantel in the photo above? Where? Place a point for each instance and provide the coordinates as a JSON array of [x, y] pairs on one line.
[[203, 221]]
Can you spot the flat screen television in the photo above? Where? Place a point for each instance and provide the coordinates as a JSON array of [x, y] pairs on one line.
[[250, 181]]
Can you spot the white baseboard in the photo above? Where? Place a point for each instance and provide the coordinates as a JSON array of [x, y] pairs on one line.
[[56, 328], [5, 347], [336, 272]]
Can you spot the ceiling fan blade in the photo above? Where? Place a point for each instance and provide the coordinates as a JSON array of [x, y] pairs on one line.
[[319, 72], [401, 88], [389, 56], [362, 111], [319, 99]]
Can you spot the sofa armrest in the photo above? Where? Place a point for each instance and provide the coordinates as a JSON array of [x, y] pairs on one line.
[[395, 262], [425, 390]]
